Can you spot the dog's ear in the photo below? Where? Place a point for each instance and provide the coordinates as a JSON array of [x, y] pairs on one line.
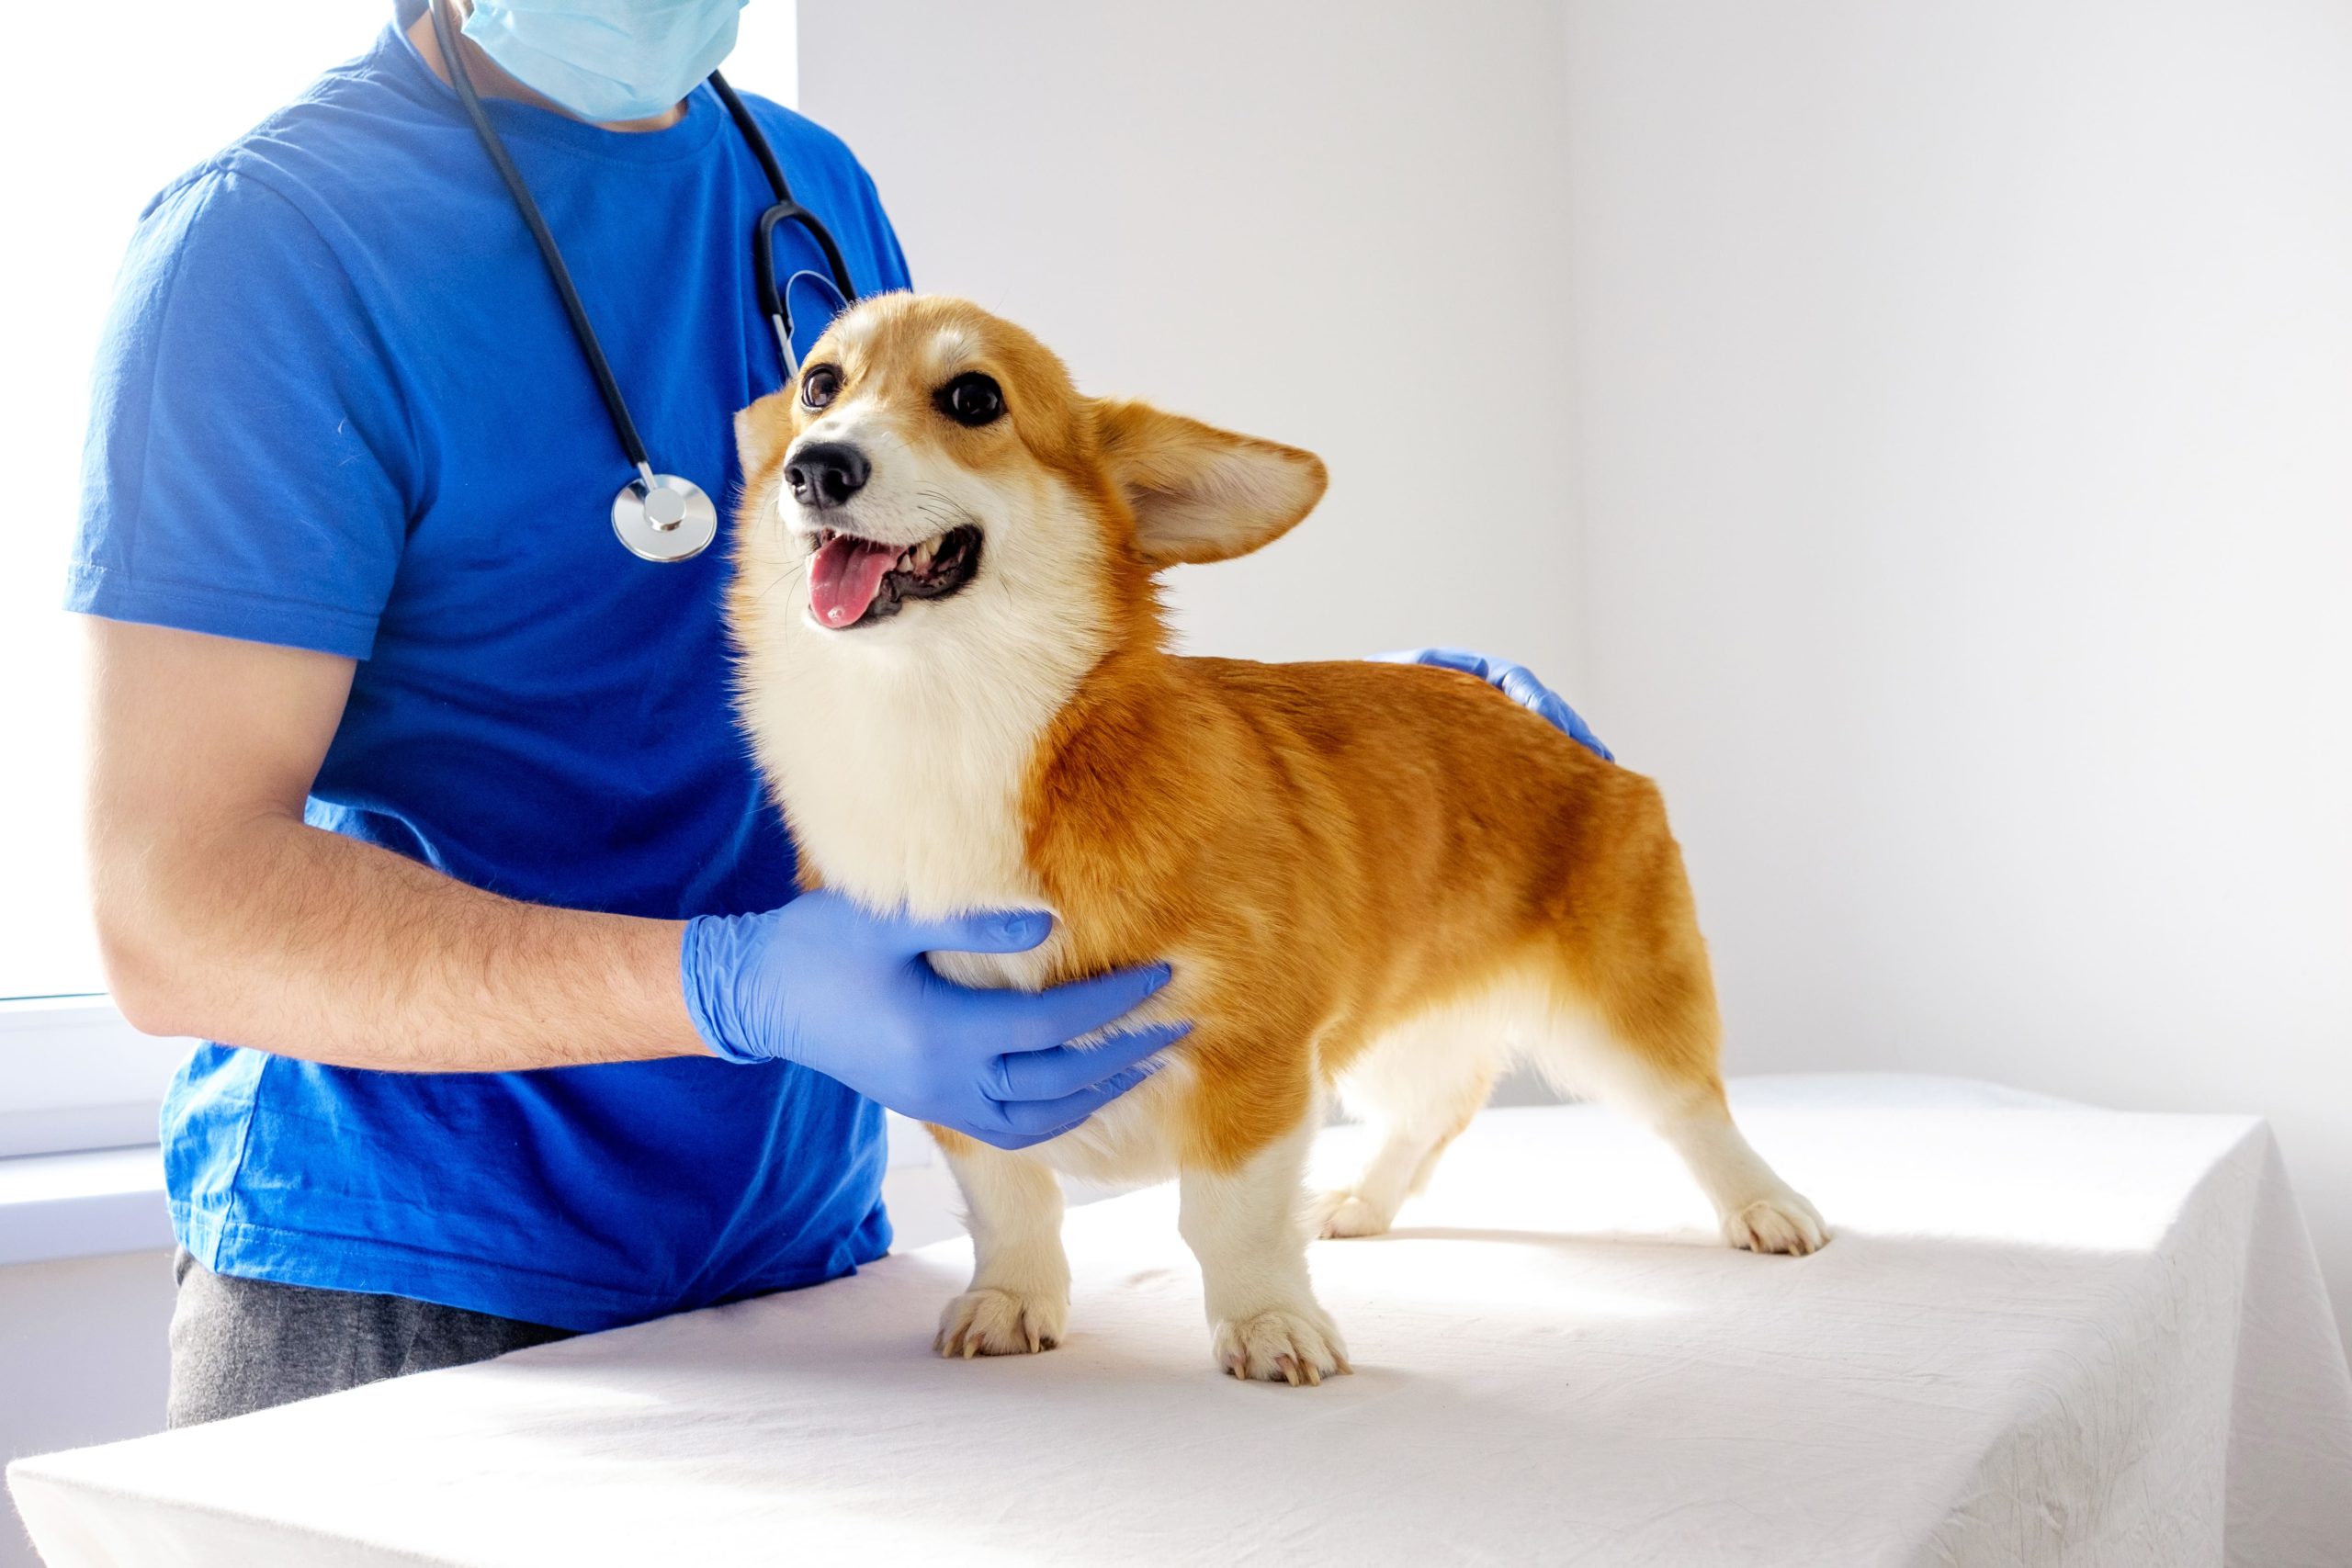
[[1199, 493], [762, 433]]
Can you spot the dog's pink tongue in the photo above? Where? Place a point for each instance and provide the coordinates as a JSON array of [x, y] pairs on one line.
[[845, 576]]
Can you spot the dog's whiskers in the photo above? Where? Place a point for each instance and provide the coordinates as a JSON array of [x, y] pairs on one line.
[[939, 506], [781, 579]]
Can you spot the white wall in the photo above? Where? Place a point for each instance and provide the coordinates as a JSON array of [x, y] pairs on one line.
[[1279, 217], [82, 1360], [1964, 447], [1921, 435]]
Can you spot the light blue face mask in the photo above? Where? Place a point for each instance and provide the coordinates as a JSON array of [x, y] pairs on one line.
[[607, 60]]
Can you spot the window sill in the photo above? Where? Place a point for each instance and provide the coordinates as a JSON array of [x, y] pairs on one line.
[[82, 1205], [74, 1075]]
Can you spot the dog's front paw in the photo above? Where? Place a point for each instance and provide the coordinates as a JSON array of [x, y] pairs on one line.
[[1292, 1344], [1000, 1323], [1784, 1223], [1343, 1213]]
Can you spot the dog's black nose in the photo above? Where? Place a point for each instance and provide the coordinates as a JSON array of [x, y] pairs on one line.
[[827, 474]]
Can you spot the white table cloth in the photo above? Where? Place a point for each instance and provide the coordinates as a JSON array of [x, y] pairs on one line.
[[2045, 1334]]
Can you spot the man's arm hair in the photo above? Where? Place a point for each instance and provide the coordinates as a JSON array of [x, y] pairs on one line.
[[222, 913]]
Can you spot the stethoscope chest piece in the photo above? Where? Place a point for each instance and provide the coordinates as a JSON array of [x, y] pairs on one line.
[[662, 517]]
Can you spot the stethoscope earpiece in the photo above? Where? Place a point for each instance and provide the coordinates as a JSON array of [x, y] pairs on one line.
[[660, 517]]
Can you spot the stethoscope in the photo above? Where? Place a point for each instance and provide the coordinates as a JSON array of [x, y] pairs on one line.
[[661, 517]]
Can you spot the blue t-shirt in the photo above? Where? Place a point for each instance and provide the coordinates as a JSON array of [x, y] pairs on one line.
[[338, 407]]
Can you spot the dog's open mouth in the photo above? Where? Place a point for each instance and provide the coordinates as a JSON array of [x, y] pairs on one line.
[[855, 582]]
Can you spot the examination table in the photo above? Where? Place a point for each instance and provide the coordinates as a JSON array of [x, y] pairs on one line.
[[2045, 1334]]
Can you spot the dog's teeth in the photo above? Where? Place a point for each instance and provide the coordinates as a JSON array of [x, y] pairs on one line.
[[924, 551]]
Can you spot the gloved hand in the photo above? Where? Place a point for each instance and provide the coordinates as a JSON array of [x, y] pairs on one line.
[[1516, 682], [825, 982]]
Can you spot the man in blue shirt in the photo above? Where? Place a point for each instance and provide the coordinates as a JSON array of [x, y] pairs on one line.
[[414, 785]]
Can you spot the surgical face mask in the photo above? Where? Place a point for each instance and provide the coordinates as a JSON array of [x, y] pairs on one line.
[[607, 60]]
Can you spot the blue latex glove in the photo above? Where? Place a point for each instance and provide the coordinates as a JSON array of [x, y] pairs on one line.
[[826, 983], [1516, 682]]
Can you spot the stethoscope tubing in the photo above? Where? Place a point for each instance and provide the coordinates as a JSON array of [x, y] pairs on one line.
[[771, 300], [785, 210]]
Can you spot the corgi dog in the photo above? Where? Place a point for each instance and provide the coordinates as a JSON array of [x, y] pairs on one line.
[[1384, 879]]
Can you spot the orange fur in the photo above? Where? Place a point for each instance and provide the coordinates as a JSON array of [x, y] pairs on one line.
[[1328, 850], [1353, 843]]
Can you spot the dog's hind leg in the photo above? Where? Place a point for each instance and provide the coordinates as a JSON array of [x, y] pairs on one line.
[[1418, 1087], [1019, 1295], [1631, 1000], [1634, 1023], [1755, 1209]]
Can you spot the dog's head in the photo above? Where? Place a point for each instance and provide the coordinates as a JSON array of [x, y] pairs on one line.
[[933, 477]]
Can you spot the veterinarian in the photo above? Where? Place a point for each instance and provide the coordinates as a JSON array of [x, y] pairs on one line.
[[415, 785]]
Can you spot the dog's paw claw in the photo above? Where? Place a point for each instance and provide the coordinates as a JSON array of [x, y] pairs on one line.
[[1782, 1224], [999, 1323], [1297, 1346]]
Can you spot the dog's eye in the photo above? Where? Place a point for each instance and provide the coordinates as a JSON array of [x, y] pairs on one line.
[[820, 385], [971, 399]]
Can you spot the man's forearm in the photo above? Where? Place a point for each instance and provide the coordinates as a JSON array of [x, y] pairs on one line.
[[274, 934]]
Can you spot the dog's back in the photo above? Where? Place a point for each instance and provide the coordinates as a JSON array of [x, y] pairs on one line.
[[1356, 848]]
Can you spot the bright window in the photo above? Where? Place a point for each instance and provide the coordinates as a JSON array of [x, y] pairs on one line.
[[174, 82]]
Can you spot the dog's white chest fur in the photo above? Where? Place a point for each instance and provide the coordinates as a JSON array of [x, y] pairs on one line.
[[897, 792], [895, 797], [903, 784]]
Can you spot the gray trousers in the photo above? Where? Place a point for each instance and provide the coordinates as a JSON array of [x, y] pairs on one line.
[[242, 1345]]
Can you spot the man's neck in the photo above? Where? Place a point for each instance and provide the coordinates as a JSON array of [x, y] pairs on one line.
[[491, 80]]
